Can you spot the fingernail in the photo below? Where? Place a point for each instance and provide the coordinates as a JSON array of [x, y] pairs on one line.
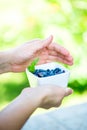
[[50, 37], [69, 91]]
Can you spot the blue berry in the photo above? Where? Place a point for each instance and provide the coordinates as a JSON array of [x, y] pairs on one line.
[[48, 72], [57, 71]]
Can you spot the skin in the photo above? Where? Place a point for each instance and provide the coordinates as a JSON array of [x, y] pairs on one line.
[[17, 59], [45, 50], [19, 110]]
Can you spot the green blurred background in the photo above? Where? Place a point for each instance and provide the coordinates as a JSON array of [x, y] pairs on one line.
[[24, 20]]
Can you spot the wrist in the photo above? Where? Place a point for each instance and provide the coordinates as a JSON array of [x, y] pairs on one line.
[[32, 97], [36, 96], [5, 61]]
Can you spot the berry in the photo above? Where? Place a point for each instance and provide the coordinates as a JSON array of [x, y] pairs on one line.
[[48, 72], [57, 71]]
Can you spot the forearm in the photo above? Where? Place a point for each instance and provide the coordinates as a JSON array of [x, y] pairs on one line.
[[15, 115], [4, 61]]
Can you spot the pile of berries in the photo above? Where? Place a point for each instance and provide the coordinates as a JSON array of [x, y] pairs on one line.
[[48, 72]]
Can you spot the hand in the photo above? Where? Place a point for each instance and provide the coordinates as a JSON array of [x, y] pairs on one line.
[[19, 110], [45, 50], [47, 96]]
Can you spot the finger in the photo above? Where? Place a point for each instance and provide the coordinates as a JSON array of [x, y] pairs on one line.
[[68, 91], [47, 41], [59, 49], [54, 53], [43, 62], [58, 59], [53, 56]]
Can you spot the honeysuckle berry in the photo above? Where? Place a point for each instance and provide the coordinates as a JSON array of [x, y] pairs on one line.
[[48, 72]]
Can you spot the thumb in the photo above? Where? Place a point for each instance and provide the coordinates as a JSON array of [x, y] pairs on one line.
[[44, 43], [47, 41], [68, 91]]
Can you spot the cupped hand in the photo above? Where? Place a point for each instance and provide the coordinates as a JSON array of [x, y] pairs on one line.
[[54, 96], [47, 96], [45, 50]]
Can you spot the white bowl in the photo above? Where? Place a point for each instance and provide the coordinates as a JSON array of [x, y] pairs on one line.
[[60, 80]]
